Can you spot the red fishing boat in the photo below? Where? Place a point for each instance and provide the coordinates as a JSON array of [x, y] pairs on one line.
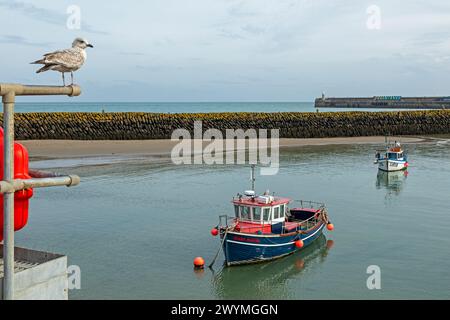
[[266, 227]]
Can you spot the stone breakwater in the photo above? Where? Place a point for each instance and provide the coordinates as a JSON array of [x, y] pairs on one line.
[[138, 126]]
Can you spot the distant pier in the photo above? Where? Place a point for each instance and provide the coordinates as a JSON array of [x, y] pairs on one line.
[[388, 102]]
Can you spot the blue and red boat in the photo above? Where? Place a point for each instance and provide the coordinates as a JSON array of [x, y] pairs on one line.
[[264, 228]]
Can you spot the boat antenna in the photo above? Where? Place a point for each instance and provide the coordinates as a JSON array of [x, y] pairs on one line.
[[252, 177], [387, 139]]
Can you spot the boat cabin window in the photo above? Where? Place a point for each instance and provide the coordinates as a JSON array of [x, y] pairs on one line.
[[266, 214], [252, 213], [256, 214], [282, 210], [245, 213], [276, 212], [392, 156]]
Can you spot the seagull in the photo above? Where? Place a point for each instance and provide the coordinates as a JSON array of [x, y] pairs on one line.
[[68, 60]]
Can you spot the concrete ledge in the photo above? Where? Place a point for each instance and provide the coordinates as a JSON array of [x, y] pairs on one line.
[[39, 275]]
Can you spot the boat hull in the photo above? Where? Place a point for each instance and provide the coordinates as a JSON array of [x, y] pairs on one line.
[[392, 165], [241, 248]]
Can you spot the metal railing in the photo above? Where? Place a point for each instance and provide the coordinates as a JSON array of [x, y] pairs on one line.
[[226, 221], [39, 179], [311, 221], [306, 223], [309, 204]]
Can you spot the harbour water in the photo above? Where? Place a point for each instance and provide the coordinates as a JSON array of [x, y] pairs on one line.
[[178, 107], [134, 227]]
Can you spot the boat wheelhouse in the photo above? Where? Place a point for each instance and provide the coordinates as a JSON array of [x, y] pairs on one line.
[[393, 158], [265, 228]]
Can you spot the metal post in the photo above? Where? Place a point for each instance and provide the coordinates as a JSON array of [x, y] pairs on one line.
[[8, 186], [252, 177], [8, 198]]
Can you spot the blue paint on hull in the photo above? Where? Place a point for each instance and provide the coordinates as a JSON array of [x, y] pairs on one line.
[[240, 248]]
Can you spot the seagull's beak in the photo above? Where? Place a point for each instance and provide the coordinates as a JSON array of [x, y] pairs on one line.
[[90, 45]]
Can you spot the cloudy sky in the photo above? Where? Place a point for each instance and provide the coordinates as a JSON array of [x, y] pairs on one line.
[[235, 50]]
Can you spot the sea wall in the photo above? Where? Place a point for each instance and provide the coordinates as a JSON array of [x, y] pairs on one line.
[[137, 126]]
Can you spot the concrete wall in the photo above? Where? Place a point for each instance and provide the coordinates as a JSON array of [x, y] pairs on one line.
[[133, 126], [38, 275]]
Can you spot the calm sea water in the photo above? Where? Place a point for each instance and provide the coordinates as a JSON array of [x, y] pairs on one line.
[[175, 107], [134, 227]]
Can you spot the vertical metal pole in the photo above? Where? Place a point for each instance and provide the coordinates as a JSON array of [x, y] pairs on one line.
[[8, 198], [252, 177]]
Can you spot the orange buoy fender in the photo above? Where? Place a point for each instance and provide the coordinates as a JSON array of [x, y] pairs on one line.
[[199, 262], [299, 243]]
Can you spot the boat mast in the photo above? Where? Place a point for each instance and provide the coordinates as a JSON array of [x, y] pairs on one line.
[[387, 141], [252, 177]]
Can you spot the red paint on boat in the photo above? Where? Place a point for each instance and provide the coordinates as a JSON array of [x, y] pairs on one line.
[[243, 239], [305, 209], [255, 203], [290, 226], [249, 227]]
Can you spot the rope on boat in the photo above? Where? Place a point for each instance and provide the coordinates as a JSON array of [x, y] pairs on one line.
[[323, 215], [221, 246]]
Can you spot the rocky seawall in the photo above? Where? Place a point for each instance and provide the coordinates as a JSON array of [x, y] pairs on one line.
[[138, 126]]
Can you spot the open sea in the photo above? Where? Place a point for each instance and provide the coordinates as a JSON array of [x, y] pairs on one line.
[[134, 226], [177, 107]]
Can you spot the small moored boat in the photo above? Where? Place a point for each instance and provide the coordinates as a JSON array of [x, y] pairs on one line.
[[264, 228], [393, 158]]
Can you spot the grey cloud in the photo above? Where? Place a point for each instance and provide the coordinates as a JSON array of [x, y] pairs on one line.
[[44, 15], [157, 68], [254, 30], [225, 33], [130, 53], [239, 9], [430, 39], [14, 39]]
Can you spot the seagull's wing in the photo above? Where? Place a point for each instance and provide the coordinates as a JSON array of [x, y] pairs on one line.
[[68, 58]]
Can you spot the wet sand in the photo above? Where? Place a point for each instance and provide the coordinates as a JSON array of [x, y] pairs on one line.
[[54, 149]]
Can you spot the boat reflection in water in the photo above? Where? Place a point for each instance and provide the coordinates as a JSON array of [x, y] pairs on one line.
[[393, 182], [270, 280]]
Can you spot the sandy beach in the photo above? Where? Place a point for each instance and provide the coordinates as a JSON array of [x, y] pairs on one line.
[[55, 149]]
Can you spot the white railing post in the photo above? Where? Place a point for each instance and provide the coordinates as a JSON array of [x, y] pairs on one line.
[[8, 198]]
